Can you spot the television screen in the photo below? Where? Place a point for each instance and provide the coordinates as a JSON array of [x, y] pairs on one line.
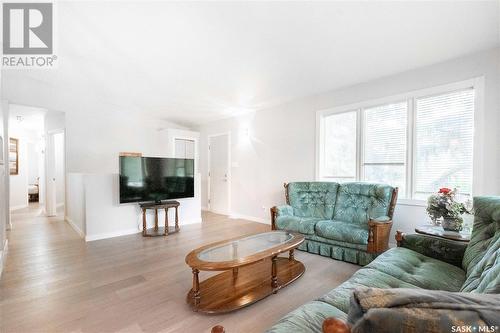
[[154, 179]]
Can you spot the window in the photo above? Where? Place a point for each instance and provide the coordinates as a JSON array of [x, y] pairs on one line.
[[418, 142], [340, 147], [444, 135]]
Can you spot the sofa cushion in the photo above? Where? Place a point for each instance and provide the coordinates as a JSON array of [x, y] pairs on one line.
[[365, 277], [484, 277], [343, 231], [485, 232], [307, 319], [419, 270], [328, 241], [303, 225], [358, 202], [313, 199]]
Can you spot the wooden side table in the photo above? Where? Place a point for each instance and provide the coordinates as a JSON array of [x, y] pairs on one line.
[[438, 231], [156, 230]]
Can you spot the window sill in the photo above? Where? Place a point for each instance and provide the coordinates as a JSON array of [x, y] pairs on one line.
[[412, 202]]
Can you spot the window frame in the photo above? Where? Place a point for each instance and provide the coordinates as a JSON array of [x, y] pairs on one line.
[[410, 97]]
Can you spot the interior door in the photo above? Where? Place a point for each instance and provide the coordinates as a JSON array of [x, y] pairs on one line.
[[218, 200], [50, 198]]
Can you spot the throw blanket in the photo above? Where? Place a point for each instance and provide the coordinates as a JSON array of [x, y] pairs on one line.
[[418, 310]]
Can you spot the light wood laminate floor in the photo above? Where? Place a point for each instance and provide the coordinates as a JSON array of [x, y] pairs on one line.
[[55, 282]]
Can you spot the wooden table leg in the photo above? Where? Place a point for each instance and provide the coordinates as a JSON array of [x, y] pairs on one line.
[[291, 255], [166, 222], [144, 222], [274, 275], [156, 219], [176, 219], [196, 286]]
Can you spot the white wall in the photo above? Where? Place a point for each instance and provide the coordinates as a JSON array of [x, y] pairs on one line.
[[4, 179], [280, 145], [59, 168], [95, 141], [34, 157]]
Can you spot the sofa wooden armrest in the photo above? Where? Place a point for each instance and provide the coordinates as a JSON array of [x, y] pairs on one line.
[[274, 214], [335, 325], [379, 230], [447, 250], [378, 235], [274, 210]]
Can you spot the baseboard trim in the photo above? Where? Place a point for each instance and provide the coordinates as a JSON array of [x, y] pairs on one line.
[[197, 220], [91, 238], [75, 227], [249, 218], [219, 212], [3, 255], [127, 232], [12, 208]]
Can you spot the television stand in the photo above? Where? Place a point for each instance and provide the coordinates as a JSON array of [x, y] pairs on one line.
[[159, 231]]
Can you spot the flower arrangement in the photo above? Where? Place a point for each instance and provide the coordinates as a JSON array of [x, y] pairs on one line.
[[444, 205]]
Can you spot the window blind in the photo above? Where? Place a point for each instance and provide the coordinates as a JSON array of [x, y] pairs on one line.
[[384, 153], [444, 142], [339, 149]]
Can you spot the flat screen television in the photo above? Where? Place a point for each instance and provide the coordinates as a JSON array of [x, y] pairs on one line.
[[145, 179]]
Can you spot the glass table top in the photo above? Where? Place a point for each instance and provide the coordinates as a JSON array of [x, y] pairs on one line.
[[244, 247]]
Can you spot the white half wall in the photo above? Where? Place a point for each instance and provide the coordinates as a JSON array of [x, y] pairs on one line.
[[277, 145], [94, 208], [75, 202]]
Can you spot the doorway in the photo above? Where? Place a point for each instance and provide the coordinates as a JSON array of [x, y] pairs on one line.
[[25, 157], [219, 173]]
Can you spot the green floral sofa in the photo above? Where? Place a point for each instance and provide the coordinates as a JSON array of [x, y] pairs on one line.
[[419, 262], [349, 221]]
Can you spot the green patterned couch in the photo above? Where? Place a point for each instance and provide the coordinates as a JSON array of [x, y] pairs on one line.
[[419, 262], [349, 221]]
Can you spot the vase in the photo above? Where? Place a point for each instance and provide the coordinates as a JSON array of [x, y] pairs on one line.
[[452, 223]]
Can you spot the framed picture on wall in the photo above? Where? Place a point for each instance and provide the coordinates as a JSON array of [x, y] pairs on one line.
[[14, 156]]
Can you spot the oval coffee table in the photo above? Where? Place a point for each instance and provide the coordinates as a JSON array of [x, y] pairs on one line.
[[252, 270]]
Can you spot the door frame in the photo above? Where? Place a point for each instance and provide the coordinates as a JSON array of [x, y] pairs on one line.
[[229, 176], [50, 186]]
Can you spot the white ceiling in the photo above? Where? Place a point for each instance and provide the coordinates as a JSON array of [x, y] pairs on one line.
[[194, 62]]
